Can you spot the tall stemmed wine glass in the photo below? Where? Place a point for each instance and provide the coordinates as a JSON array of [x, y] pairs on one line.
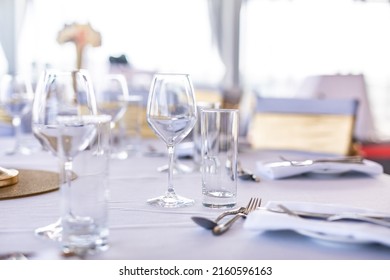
[[59, 93], [171, 113], [16, 95]]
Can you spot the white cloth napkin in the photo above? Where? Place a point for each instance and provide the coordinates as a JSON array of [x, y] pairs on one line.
[[343, 231], [284, 169]]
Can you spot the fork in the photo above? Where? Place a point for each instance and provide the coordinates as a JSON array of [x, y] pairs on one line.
[[351, 159], [252, 205]]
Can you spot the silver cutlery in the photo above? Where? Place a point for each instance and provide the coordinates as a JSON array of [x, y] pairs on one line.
[[210, 224], [253, 204], [348, 159], [318, 215], [359, 218], [288, 211], [342, 216], [244, 174]]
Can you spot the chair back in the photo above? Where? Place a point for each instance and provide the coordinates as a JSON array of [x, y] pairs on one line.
[[343, 87], [311, 125]]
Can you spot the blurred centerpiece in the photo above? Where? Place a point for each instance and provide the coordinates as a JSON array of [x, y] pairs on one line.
[[81, 35]]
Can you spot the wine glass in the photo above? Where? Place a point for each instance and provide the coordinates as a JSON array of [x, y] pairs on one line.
[[16, 95], [59, 93], [111, 95], [171, 113]]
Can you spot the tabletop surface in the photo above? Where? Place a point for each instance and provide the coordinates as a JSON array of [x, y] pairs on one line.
[[143, 232]]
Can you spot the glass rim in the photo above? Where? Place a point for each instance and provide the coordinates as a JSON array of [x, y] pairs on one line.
[[171, 74], [218, 110], [55, 71], [88, 119], [130, 98]]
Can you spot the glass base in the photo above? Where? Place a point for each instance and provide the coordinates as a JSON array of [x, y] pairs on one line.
[[218, 199], [119, 155], [89, 243], [19, 151], [51, 232], [171, 201]]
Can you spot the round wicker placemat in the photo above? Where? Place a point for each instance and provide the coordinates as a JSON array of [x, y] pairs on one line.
[[31, 182]]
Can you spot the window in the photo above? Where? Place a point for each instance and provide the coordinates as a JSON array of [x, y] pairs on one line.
[[155, 35], [285, 41]]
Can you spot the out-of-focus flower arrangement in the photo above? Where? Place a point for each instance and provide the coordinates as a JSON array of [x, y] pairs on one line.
[[81, 35]]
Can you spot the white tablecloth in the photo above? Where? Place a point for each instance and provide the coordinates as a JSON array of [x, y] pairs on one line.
[[140, 231]]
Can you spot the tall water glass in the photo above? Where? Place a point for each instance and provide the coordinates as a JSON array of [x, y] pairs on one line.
[[84, 148], [219, 129], [171, 113], [196, 133]]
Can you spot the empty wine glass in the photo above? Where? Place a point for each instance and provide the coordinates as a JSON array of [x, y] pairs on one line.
[[171, 113], [16, 95], [111, 95], [59, 93]]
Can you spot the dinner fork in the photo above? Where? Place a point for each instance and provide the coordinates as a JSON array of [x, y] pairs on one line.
[[252, 205], [350, 159]]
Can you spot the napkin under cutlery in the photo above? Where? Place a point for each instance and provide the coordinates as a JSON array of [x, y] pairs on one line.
[[343, 231], [283, 169]]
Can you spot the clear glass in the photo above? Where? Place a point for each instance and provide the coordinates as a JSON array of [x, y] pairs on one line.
[[59, 93], [171, 113], [84, 150], [16, 95], [219, 130], [131, 125], [196, 134], [111, 96]]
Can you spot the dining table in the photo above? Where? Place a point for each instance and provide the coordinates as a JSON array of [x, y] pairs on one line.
[[139, 231]]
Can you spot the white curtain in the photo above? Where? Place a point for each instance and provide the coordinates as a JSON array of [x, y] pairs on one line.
[[225, 26], [3, 62]]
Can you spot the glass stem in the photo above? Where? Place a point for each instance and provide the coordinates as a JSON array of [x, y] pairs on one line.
[[16, 123], [171, 158], [67, 183]]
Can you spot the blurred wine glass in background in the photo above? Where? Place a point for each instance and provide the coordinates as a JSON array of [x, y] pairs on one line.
[[16, 95], [112, 97]]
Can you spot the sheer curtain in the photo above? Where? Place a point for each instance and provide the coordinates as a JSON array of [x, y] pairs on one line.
[[3, 62], [225, 26], [155, 35], [285, 41]]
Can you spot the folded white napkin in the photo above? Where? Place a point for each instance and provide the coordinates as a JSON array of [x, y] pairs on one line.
[[343, 231], [284, 169]]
